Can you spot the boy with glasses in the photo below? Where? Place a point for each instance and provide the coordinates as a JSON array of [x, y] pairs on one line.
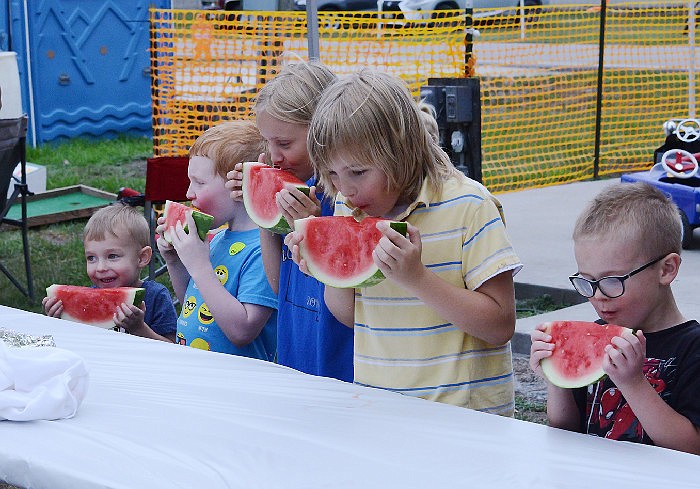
[[627, 245]]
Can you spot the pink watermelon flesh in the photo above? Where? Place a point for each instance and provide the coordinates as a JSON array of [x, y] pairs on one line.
[[579, 348], [260, 185], [176, 212], [94, 306], [338, 249]]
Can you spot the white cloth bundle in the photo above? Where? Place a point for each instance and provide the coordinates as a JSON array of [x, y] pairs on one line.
[[40, 383]]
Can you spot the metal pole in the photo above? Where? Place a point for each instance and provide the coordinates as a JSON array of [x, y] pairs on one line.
[[312, 30], [30, 82], [599, 94], [468, 37], [691, 55]]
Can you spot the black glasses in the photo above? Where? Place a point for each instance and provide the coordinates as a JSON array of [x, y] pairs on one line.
[[611, 287]]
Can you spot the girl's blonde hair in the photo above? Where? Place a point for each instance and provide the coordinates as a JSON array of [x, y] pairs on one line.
[[229, 143], [372, 117], [293, 94], [638, 213], [428, 113], [120, 221]]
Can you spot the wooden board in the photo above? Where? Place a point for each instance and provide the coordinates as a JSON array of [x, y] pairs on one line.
[[62, 204]]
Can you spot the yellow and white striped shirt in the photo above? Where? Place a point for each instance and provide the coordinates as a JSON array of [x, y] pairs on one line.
[[405, 346]]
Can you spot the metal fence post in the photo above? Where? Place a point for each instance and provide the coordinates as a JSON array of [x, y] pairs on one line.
[[599, 90], [691, 54], [312, 30]]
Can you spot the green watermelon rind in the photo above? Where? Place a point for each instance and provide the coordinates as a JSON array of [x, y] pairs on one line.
[[278, 225], [202, 220], [549, 368], [369, 279], [139, 294]]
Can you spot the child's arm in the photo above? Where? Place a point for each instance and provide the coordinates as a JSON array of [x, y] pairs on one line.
[[179, 276], [487, 313], [241, 323], [668, 428], [341, 303], [561, 407], [271, 248]]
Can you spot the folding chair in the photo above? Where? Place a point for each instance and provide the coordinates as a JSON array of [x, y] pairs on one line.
[[13, 134], [166, 179]]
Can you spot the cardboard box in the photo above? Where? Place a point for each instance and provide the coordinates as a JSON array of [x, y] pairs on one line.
[[36, 178]]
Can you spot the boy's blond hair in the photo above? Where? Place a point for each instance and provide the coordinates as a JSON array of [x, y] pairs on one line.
[[293, 94], [120, 221], [372, 117], [636, 212], [228, 143]]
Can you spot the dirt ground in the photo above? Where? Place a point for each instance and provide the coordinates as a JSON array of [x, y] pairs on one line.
[[530, 392]]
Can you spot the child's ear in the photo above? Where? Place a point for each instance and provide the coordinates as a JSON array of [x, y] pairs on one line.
[[145, 256], [669, 268]]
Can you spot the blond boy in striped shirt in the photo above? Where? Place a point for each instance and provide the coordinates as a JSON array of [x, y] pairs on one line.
[[440, 326]]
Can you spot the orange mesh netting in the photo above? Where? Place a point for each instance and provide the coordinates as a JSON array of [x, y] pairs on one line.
[[208, 66], [538, 71]]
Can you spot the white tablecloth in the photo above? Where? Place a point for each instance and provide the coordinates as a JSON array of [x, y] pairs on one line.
[[165, 416]]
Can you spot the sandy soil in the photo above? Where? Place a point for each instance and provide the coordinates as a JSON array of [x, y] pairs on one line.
[[530, 392]]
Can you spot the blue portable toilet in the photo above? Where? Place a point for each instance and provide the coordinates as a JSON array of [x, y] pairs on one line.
[[84, 66]]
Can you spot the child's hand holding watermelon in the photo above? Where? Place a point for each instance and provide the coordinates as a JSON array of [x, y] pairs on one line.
[[131, 318], [190, 249], [541, 347], [53, 307], [292, 240], [624, 359], [295, 204], [166, 249], [234, 179], [398, 255], [234, 182]]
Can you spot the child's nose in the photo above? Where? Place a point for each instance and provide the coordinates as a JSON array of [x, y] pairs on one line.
[[276, 156], [347, 190], [598, 295]]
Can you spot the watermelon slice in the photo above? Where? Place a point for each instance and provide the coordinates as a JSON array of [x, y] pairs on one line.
[[94, 306], [260, 185], [338, 249], [175, 212], [579, 348]]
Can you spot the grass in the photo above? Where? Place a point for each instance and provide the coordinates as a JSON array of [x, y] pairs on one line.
[[56, 249], [533, 411], [537, 305], [107, 165]]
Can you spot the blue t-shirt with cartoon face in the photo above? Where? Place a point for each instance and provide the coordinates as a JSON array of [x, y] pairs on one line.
[[237, 261]]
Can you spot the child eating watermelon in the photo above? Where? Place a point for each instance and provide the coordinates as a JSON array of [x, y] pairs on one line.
[[227, 303], [116, 242], [309, 338], [627, 244], [439, 325]]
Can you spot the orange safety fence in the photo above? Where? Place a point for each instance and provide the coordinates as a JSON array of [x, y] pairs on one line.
[[208, 65], [539, 76]]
